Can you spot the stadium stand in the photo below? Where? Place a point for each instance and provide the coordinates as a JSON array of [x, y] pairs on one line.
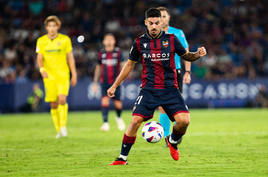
[[234, 32]]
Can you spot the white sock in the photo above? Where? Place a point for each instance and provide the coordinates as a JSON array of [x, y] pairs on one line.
[[172, 141], [123, 157]]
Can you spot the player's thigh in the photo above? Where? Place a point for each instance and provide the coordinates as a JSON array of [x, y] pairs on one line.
[[50, 90], [134, 125], [161, 110], [118, 104], [182, 118], [145, 105]]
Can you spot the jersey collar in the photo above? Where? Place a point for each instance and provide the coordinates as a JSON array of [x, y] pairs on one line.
[[151, 37], [53, 38]]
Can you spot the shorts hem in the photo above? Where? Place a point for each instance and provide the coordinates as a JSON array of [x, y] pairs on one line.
[[143, 116], [180, 112]]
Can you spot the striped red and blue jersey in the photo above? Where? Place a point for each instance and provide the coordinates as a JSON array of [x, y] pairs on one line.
[[110, 65], [157, 58]]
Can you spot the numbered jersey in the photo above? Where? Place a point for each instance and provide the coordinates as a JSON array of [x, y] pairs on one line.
[[110, 65]]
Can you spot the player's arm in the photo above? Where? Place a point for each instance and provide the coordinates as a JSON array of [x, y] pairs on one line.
[[71, 63], [193, 56], [187, 55], [97, 74], [127, 68], [187, 74], [96, 78], [40, 64], [187, 64]]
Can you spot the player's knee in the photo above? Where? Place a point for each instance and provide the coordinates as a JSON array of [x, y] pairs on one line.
[[53, 105], [161, 110], [185, 121], [105, 102], [118, 104], [62, 100], [137, 121]]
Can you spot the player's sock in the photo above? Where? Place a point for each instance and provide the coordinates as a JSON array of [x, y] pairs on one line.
[[126, 146], [176, 136], [104, 111], [63, 114], [55, 118], [118, 112], [165, 122]]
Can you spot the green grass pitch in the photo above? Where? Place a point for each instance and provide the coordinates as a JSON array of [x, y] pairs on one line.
[[219, 143]]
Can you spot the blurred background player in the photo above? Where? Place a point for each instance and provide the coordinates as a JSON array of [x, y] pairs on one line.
[[165, 18], [55, 60], [34, 100], [110, 60]]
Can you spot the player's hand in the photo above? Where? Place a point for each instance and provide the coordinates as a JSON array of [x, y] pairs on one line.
[[111, 91], [201, 51], [73, 81], [95, 87], [187, 78], [44, 74]]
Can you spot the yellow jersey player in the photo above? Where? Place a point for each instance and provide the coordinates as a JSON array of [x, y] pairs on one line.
[[55, 61]]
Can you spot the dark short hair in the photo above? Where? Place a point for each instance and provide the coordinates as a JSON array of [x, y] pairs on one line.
[[152, 12], [162, 8], [108, 34]]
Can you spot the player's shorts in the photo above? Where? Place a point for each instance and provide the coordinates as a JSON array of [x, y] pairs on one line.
[[149, 99], [105, 87], [56, 87], [179, 80]]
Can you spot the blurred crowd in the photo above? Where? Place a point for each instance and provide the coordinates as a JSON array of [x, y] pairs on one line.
[[235, 33]]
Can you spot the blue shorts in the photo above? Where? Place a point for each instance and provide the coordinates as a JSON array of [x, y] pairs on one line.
[[150, 99], [105, 87]]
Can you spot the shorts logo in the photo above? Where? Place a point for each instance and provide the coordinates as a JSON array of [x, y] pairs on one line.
[[165, 44]]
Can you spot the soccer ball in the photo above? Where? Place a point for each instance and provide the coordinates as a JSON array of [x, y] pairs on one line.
[[152, 132]]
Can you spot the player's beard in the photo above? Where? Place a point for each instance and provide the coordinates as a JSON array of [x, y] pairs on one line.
[[153, 32]]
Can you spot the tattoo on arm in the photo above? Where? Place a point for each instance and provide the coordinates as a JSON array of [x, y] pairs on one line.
[[190, 56]]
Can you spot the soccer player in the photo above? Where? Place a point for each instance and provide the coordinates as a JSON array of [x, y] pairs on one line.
[[165, 17], [55, 60], [109, 64], [159, 83]]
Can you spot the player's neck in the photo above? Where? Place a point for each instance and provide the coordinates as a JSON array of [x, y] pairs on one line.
[[52, 36], [154, 36], [109, 49]]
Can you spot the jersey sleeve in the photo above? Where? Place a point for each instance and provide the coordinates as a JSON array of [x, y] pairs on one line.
[[39, 46], [69, 47], [134, 53], [179, 49], [181, 36]]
